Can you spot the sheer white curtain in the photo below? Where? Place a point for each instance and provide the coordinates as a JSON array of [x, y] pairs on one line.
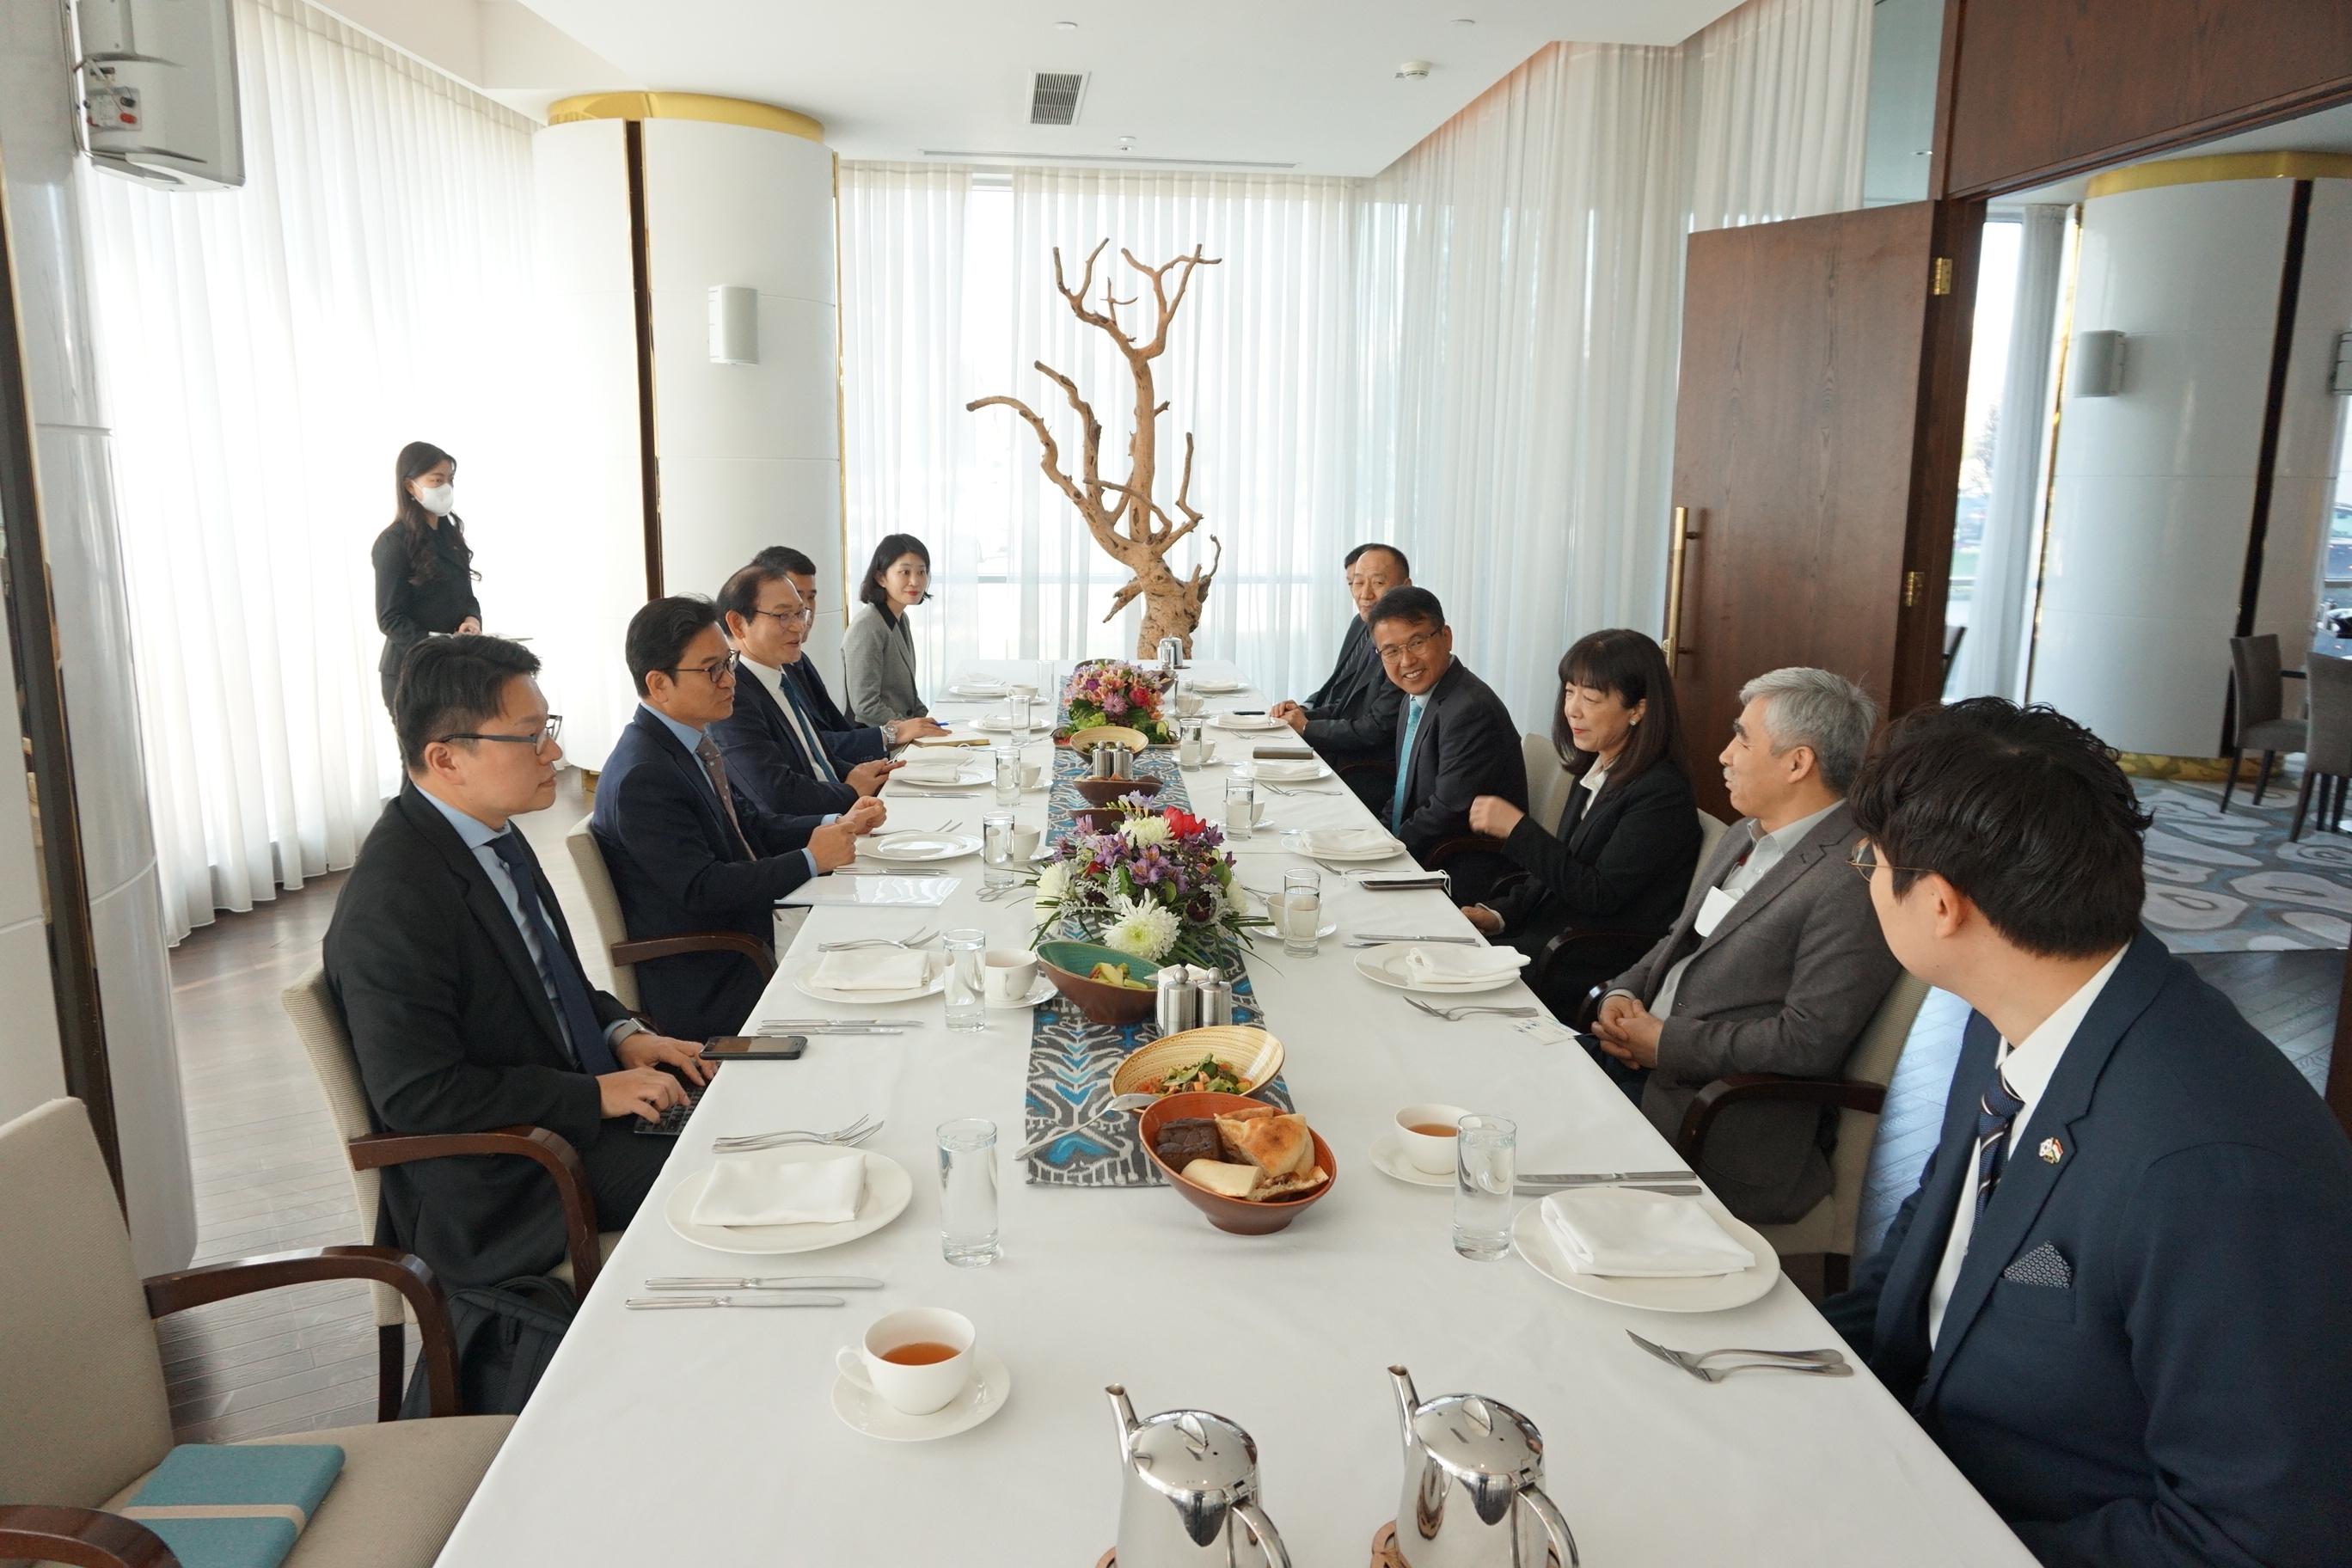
[[266, 352], [1778, 93]]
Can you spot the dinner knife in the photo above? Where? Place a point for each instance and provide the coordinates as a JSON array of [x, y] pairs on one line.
[[706, 1283], [1677, 1192], [1551, 1180], [644, 1303], [1460, 940]]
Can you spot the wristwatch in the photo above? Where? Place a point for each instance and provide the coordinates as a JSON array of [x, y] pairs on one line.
[[889, 733]]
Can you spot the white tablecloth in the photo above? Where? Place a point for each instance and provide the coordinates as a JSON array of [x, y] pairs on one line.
[[661, 1438]]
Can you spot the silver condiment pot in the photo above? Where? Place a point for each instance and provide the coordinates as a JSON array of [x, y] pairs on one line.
[[1171, 653], [1190, 1494], [1474, 1493]]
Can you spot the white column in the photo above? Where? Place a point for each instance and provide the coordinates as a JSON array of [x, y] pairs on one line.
[[74, 474]]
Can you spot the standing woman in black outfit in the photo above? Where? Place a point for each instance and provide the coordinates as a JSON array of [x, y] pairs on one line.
[[423, 569]]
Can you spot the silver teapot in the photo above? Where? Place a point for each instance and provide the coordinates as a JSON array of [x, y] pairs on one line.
[[1474, 1493], [1191, 1478]]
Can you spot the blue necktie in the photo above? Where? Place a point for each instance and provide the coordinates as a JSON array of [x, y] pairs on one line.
[[806, 733], [579, 1012], [1995, 1109], [1412, 707]]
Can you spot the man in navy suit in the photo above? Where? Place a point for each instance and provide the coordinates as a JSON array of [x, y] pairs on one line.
[[849, 744], [2119, 1296], [689, 850], [776, 747]]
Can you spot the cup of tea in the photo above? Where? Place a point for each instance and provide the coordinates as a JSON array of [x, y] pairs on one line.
[[913, 1362], [1427, 1133], [1006, 974]]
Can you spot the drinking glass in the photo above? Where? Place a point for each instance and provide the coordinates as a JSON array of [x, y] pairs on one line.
[[1008, 774], [1299, 913], [967, 993], [968, 1233], [1487, 1166], [1189, 751], [996, 842], [1241, 808]]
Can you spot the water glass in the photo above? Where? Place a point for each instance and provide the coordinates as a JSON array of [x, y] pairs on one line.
[[996, 846], [1298, 912], [1486, 1167], [1241, 808], [968, 1233], [1189, 751], [967, 992], [1008, 774]]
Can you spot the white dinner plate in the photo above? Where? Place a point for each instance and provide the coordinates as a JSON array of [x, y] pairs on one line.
[[1247, 724], [991, 1387], [1296, 841], [1218, 687], [1386, 964], [998, 724], [1040, 992], [978, 691], [1388, 1158], [888, 1190], [938, 967], [919, 846], [1716, 1293], [1254, 770], [965, 778]]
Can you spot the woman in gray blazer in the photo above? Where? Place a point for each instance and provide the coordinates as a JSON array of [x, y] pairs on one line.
[[879, 648]]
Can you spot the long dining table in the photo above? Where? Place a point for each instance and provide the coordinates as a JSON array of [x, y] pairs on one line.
[[709, 1437]]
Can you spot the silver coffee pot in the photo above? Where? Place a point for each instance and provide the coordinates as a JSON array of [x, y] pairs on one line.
[[1191, 1481], [1474, 1493]]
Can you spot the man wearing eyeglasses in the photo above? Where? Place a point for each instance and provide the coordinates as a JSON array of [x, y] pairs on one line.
[[1351, 718], [463, 993], [1455, 741], [850, 743], [689, 850]]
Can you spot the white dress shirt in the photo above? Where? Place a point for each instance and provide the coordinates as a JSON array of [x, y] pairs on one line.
[[1765, 851], [2029, 1068], [811, 747]]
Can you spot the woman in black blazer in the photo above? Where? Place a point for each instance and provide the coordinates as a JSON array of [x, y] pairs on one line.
[[424, 568], [1629, 837]]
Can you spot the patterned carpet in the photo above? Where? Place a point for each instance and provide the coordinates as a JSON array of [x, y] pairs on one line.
[[2228, 884]]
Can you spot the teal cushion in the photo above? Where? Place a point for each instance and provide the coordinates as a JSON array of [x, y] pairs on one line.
[[235, 1507]]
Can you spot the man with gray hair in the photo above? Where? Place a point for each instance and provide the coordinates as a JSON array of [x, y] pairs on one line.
[[1776, 963]]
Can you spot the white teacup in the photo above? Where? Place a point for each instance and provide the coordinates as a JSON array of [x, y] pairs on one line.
[[1257, 813], [1032, 775], [1024, 841], [1188, 703], [1007, 973], [1428, 1152], [915, 1388], [1297, 914], [1021, 688]]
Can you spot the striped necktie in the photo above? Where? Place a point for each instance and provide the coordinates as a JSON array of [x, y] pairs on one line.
[[796, 720], [1997, 1108], [716, 770]]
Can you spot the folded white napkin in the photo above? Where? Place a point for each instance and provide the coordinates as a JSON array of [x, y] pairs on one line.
[[765, 1189], [1453, 966], [1246, 722], [977, 684], [1346, 841], [1277, 769], [1640, 1236], [872, 969], [931, 770]]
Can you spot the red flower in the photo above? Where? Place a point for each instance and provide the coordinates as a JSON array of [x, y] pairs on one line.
[[1183, 824]]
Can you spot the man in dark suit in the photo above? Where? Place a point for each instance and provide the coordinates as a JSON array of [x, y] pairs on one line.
[[2118, 1297], [1775, 965], [1351, 719], [689, 850], [1454, 739], [850, 743], [776, 751], [459, 981]]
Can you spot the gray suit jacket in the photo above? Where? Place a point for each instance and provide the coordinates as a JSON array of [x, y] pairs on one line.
[[879, 656], [1785, 984]]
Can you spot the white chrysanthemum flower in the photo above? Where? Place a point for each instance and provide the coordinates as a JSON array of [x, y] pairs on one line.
[[1053, 882], [1142, 931], [1144, 832]]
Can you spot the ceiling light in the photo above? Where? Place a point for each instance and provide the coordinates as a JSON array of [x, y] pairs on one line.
[[1127, 143], [1412, 70]]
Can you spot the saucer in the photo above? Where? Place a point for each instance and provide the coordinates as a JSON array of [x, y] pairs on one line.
[[1039, 995], [868, 1412], [1388, 1158]]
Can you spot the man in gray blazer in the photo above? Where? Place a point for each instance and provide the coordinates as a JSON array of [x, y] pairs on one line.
[[1775, 962]]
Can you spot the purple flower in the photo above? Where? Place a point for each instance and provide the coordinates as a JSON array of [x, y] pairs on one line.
[[1113, 704]]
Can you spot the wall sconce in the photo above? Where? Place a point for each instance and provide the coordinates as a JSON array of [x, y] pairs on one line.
[[2098, 366], [734, 324]]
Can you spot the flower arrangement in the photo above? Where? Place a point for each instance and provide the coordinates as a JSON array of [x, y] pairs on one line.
[[1113, 691], [1159, 886]]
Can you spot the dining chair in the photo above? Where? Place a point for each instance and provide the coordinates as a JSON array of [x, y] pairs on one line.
[[1582, 949], [2327, 750], [611, 928], [1548, 783], [318, 1022], [89, 1418], [2260, 692]]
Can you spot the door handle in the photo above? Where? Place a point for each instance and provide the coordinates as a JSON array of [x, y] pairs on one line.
[[1684, 534]]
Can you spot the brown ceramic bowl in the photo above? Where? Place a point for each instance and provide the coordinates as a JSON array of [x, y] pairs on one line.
[[1099, 818], [1238, 1215], [1067, 964], [1102, 792]]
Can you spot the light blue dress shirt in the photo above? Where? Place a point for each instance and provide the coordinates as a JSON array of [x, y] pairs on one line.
[[476, 836], [1414, 708], [691, 739]]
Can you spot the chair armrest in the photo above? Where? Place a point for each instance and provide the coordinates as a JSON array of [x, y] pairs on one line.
[[1748, 1088], [2291, 675], [403, 1271], [1581, 940], [1360, 765], [86, 1537], [1587, 1007], [1446, 849], [733, 941], [551, 1150]]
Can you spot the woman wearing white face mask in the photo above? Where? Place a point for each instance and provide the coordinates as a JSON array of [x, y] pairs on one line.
[[423, 569]]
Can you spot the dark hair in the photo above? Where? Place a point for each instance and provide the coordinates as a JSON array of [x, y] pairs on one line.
[[1405, 604], [1358, 554], [892, 546], [740, 593], [658, 634], [785, 558], [453, 684], [1629, 666], [415, 524], [2020, 809]]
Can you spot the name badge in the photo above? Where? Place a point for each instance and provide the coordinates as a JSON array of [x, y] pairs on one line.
[[1712, 909]]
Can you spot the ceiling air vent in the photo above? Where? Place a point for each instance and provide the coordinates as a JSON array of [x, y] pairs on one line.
[[1054, 97]]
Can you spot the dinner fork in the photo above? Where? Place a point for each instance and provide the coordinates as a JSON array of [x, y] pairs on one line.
[[1455, 1014], [858, 1132], [1819, 1363], [917, 940], [949, 826]]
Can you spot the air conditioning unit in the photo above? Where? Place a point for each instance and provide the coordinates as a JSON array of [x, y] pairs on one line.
[[159, 91]]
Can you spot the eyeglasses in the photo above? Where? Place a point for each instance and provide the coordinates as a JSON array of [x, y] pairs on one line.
[[804, 614], [719, 670], [1410, 646], [538, 739], [1864, 861]]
